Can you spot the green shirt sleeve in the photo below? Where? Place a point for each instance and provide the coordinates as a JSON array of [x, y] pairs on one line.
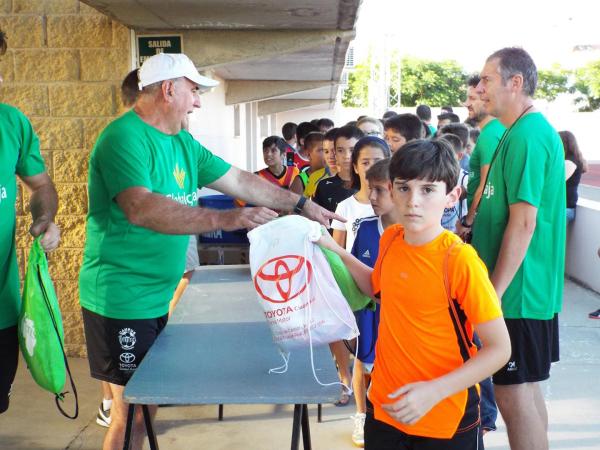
[[524, 163], [210, 167], [30, 160], [122, 162]]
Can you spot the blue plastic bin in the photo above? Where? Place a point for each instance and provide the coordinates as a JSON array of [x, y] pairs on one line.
[[219, 236]]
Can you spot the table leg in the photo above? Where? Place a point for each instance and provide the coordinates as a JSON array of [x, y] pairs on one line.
[[296, 427], [220, 413], [319, 413], [149, 428], [305, 428], [129, 427]]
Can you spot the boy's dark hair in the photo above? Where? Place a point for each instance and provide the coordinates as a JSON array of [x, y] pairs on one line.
[[325, 122], [278, 141], [473, 80], [3, 43], [380, 171], [314, 121], [289, 130], [454, 141], [426, 159], [453, 118], [408, 125], [348, 132], [330, 135], [474, 134], [458, 129], [130, 89], [312, 138], [352, 123], [513, 61], [447, 109], [388, 114], [367, 141], [303, 129], [424, 112]]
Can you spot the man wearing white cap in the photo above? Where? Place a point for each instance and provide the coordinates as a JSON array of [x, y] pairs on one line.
[[143, 175]]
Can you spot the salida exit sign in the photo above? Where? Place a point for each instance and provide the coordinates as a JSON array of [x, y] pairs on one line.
[[152, 45]]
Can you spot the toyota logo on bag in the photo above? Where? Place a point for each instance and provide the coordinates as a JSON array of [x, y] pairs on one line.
[[127, 358], [282, 279]]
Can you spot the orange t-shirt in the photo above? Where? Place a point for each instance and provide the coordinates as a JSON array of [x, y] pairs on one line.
[[284, 180], [417, 340]]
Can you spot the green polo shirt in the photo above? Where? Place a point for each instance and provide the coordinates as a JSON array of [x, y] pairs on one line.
[[130, 272], [529, 168], [482, 154], [19, 155]]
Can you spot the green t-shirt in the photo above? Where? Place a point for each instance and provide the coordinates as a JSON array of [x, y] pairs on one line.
[[19, 155], [432, 129], [131, 272], [529, 168], [482, 155]]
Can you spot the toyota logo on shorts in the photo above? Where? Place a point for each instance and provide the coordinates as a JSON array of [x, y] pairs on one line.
[[283, 278], [127, 358]]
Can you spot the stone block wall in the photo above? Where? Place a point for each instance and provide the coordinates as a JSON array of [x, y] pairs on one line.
[[63, 69]]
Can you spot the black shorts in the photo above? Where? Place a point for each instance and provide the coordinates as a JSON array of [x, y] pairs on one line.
[[534, 347], [9, 359], [381, 436], [116, 347]]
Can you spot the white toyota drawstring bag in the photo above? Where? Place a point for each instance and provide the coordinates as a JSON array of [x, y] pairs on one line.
[[301, 300]]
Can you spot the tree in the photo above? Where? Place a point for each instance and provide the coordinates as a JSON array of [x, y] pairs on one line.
[[435, 83], [356, 93], [551, 83], [587, 87]]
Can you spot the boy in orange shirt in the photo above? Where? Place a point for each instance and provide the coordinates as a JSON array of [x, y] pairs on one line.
[[434, 293]]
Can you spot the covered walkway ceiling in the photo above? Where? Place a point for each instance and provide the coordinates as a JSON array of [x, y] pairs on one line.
[[285, 54]]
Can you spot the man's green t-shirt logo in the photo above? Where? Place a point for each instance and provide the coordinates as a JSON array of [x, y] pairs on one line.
[[179, 175], [3, 194]]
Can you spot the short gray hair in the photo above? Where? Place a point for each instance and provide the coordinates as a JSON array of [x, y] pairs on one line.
[[516, 61]]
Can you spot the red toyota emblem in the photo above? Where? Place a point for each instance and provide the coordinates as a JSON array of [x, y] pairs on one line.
[[289, 274]]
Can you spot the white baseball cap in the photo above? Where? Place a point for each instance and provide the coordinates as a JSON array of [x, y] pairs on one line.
[[166, 66]]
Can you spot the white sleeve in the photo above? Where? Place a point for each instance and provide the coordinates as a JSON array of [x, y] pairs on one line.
[[340, 211]]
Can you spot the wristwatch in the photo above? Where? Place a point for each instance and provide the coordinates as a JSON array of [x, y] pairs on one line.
[[300, 205], [463, 222]]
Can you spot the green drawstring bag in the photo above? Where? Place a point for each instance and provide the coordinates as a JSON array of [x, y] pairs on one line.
[[41, 336], [355, 298]]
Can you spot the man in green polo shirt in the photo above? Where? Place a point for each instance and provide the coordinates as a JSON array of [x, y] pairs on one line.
[[19, 157], [519, 233], [144, 173], [491, 130]]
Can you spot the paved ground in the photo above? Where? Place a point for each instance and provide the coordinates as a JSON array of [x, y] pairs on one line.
[[572, 396], [592, 176]]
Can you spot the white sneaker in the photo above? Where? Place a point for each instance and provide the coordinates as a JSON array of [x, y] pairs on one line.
[[103, 417], [358, 435]]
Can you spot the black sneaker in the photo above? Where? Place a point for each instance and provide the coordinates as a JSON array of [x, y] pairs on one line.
[[103, 417], [595, 314]]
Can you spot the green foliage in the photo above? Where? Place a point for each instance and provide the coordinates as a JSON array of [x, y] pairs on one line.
[[587, 87], [356, 94], [436, 83], [551, 83]]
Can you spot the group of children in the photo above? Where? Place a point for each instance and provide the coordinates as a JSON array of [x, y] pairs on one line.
[[401, 197]]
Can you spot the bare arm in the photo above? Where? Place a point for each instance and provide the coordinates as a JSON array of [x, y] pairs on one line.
[[258, 191], [339, 236], [361, 273], [570, 168], [161, 214], [296, 186], [43, 206], [416, 399], [517, 236], [478, 193]]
